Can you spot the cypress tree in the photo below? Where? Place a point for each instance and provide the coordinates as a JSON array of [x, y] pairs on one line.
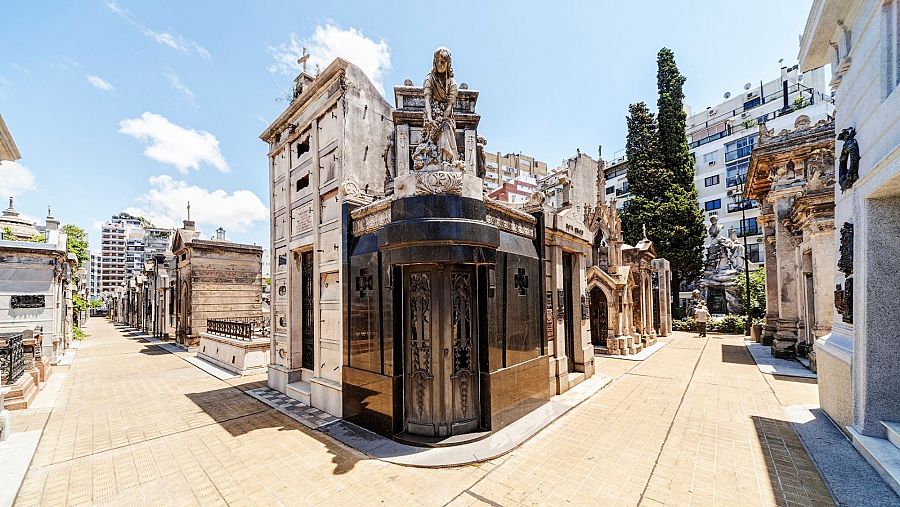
[[673, 143], [661, 177], [645, 171]]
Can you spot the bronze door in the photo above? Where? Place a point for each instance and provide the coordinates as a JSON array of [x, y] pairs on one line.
[[440, 350], [307, 342], [599, 318]]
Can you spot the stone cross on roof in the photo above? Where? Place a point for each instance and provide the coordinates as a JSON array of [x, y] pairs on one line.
[[302, 60], [189, 210]]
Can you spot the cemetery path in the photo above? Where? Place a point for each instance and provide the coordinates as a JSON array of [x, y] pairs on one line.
[[694, 424]]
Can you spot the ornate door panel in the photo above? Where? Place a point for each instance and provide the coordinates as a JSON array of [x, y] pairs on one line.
[[463, 400], [307, 340], [599, 318], [419, 328], [440, 350]]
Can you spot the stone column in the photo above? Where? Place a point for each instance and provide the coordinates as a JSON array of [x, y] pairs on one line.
[[767, 219], [785, 341], [821, 241]]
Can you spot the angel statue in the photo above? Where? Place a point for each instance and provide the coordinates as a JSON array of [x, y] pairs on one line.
[[439, 133]]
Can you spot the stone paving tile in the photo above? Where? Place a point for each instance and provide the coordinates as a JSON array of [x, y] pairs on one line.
[[695, 424]]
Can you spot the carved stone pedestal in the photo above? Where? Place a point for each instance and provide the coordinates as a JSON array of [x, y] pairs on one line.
[[437, 180]]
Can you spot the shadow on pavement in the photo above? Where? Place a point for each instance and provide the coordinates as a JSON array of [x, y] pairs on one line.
[[789, 465], [239, 414], [736, 354]]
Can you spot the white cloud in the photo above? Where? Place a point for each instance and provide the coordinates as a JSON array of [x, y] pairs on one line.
[[99, 83], [21, 69], [172, 40], [15, 179], [329, 42], [165, 204], [185, 148], [176, 83]]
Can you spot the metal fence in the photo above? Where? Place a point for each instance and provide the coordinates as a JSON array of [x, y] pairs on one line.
[[243, 328], [12, 359]]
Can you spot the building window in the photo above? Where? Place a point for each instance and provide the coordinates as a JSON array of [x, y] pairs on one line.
[[754, 252], [740, 148], [610, 190], [735, 172], [711, 157], [748, 227], [713, 204], [710, 181]]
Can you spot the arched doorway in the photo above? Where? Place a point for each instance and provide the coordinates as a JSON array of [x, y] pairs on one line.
[[599, 318]]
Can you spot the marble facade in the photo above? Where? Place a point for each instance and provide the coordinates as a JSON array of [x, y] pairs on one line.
[[35, 301], [791, 174], [859, 362]]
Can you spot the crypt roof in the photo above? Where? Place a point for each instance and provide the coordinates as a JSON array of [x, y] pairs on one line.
[[790, 158], [21, 227]]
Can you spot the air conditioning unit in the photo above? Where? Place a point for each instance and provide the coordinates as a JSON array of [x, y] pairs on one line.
[[713, 214], [752, 94], [711, 162], [745, 115], [731, 192]]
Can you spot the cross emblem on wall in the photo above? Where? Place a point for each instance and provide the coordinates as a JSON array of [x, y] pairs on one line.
[[364, 282], [520, 281]]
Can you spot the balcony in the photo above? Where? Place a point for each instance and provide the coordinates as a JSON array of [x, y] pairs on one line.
[[738, 153], [736, 180], [749, 121], [743, 205]]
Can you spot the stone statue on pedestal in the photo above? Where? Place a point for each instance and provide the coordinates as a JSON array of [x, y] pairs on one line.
[[438, 146]]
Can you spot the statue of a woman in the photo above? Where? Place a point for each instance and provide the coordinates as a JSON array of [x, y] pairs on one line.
[[440, 97]]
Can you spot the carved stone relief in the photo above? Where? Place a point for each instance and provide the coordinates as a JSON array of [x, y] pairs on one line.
[[848, 171]]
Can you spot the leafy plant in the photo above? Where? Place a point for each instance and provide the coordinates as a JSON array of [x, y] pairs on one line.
[[78, 333], [757, 292], [76, 242]]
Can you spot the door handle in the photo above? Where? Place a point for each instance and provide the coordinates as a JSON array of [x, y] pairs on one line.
[[446, 351]]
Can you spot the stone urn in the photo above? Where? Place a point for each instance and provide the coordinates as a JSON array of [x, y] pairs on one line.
[[756, 333]]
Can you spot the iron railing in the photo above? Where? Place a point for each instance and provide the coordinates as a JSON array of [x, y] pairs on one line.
[[243, 328], [12, 359]]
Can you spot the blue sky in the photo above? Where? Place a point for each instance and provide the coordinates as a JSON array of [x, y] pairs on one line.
[[142, 106]]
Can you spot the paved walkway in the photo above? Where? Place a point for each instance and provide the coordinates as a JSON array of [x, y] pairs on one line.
[[695, 424]]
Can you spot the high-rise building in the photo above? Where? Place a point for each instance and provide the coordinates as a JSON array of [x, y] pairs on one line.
[[94, 276], [126, 242], [721, 139]]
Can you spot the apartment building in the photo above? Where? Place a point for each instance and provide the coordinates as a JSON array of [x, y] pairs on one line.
[[126, 242], [515, 191], [721, 139], [500, 169]]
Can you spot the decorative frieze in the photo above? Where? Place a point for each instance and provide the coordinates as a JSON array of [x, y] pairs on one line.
[[372, 217]]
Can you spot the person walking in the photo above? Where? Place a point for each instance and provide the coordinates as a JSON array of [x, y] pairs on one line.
[[701, 316]]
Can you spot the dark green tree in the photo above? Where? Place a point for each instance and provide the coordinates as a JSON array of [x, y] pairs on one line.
[[645, 171], [673, 144], [662, 179]]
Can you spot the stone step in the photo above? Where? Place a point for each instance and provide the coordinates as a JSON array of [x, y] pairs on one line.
[[893, 432], [299, 391], [575, 378], [21, 394], [882, 454]]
